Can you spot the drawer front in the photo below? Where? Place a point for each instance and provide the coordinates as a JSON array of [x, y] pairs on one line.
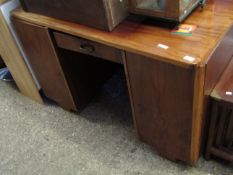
[[88, 47]]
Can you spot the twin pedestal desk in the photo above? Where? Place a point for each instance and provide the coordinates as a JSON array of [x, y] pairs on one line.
[[170, 77]]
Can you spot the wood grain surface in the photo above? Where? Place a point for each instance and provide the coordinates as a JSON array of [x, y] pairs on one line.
[[212, 24], [166, 90], [38, 47], [163, 107]]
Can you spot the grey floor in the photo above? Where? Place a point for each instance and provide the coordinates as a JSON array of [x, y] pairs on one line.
[[45, 139]]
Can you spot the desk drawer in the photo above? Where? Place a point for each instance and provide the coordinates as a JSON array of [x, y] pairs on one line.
[[88, 47]]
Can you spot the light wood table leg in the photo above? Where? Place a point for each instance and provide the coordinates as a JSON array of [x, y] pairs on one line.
[[15, 63]]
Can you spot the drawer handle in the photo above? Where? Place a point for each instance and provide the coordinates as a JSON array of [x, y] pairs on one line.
[[87, 48]]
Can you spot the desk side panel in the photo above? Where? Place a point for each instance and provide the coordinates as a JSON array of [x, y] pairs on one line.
[[42, 56], [162, 96]]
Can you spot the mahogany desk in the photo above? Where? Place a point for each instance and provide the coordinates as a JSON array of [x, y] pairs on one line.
[[168, 87]]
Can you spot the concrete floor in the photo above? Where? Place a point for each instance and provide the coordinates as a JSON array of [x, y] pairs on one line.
[[45, 139]]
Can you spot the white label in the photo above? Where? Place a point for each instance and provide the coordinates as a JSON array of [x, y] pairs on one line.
[[189, 58], [229, 93], [163, 46]]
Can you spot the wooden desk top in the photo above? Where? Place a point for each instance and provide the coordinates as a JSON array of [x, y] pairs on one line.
[[212, 24], [224, 88]]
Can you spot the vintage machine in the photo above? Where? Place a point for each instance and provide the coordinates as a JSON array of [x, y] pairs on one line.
[[174, 10], [102, 14]]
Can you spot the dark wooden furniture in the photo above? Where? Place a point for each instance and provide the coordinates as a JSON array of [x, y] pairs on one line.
[[50, 66], [175, 10], [220, 140], [170, 77], [102, 14]]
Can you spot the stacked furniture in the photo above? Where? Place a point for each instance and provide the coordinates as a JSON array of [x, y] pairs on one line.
[[170, 77], [220, 139]]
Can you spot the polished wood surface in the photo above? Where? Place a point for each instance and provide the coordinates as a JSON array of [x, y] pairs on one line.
[[219, 61], [160, 105], [214, 69], [165, 89], [15, 62], [212, 24], [158, 113]]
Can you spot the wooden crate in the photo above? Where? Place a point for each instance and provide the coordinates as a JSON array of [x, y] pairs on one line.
[[102, 14]]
